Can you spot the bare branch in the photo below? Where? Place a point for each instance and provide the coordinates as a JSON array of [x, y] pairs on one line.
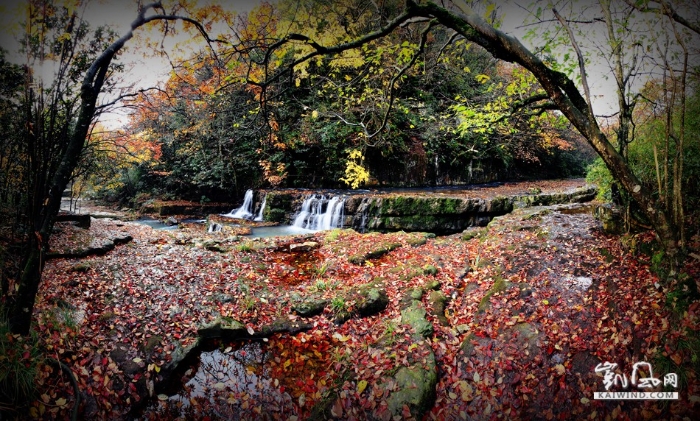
[[581, 61], [667, 9], [125, 96]]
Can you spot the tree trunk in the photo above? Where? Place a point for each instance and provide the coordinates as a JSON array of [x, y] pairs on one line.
[[46, 206]]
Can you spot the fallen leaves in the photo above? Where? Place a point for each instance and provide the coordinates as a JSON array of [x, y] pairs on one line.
[[149, 297]]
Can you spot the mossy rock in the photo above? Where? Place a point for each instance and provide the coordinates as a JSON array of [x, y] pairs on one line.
[[438, 303], [371, 300], [415, 293], [471, 232], [375, 252], [357, 259], [433, 285], [416, 388], [499, 285], [222, 327], [416, 241], [152, 343], [274, 215], [430, 270], [411, 272], [310, 307], [415, 316], [467, 346], [382, 249]]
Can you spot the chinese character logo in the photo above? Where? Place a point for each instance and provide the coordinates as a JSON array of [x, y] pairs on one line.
[[642, 376]]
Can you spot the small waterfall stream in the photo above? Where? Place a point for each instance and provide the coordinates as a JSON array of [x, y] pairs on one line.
[[246, 210], [262, 209], [320, 213]]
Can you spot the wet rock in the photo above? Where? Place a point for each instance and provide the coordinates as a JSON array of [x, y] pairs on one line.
[[416, 388], [304, 247], [170, 221], [222, 327], [611, 217], [310, 307], [82, 221], [222, 298]]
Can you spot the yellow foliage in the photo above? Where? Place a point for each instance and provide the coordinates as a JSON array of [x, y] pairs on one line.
[[355, 173]]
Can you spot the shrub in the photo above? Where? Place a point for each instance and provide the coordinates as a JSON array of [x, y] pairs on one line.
[[19, 361], [599, 175]]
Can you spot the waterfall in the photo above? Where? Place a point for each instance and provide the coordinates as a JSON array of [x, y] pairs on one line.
[[319, 213], [262, 208], [246, 210], [363, 211]]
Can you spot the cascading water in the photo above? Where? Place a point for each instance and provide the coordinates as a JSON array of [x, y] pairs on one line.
[[320, 213], [246, 210], [262, 208], [363, 213]]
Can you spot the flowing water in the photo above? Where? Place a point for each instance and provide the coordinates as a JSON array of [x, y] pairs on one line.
[[259, 218], [320, 213], [246, 210]]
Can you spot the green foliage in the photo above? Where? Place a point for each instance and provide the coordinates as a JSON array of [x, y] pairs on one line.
[[599, 175], [19, 361], [338, 305], [324, 127]]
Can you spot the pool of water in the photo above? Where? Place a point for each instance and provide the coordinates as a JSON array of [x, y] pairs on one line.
[[250, 380], [156, 224], [277, 230]]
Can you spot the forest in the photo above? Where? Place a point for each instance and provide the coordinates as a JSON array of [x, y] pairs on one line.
[[487, 210]]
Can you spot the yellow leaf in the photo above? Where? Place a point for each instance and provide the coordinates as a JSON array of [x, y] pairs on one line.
[[341, 338], [60, 401], [361, 386], [560, 369]]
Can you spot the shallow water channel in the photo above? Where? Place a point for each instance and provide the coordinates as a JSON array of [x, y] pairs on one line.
[[245, 380]]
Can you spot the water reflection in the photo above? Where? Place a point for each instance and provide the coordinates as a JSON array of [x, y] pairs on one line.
[[234, 383]]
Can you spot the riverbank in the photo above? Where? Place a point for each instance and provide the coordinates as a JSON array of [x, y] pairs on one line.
[[510, 320]]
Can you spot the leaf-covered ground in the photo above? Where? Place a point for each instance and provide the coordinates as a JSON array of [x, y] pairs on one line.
[[535, 302]]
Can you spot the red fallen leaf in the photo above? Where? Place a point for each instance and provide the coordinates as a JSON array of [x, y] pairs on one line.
[[337, 409]]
